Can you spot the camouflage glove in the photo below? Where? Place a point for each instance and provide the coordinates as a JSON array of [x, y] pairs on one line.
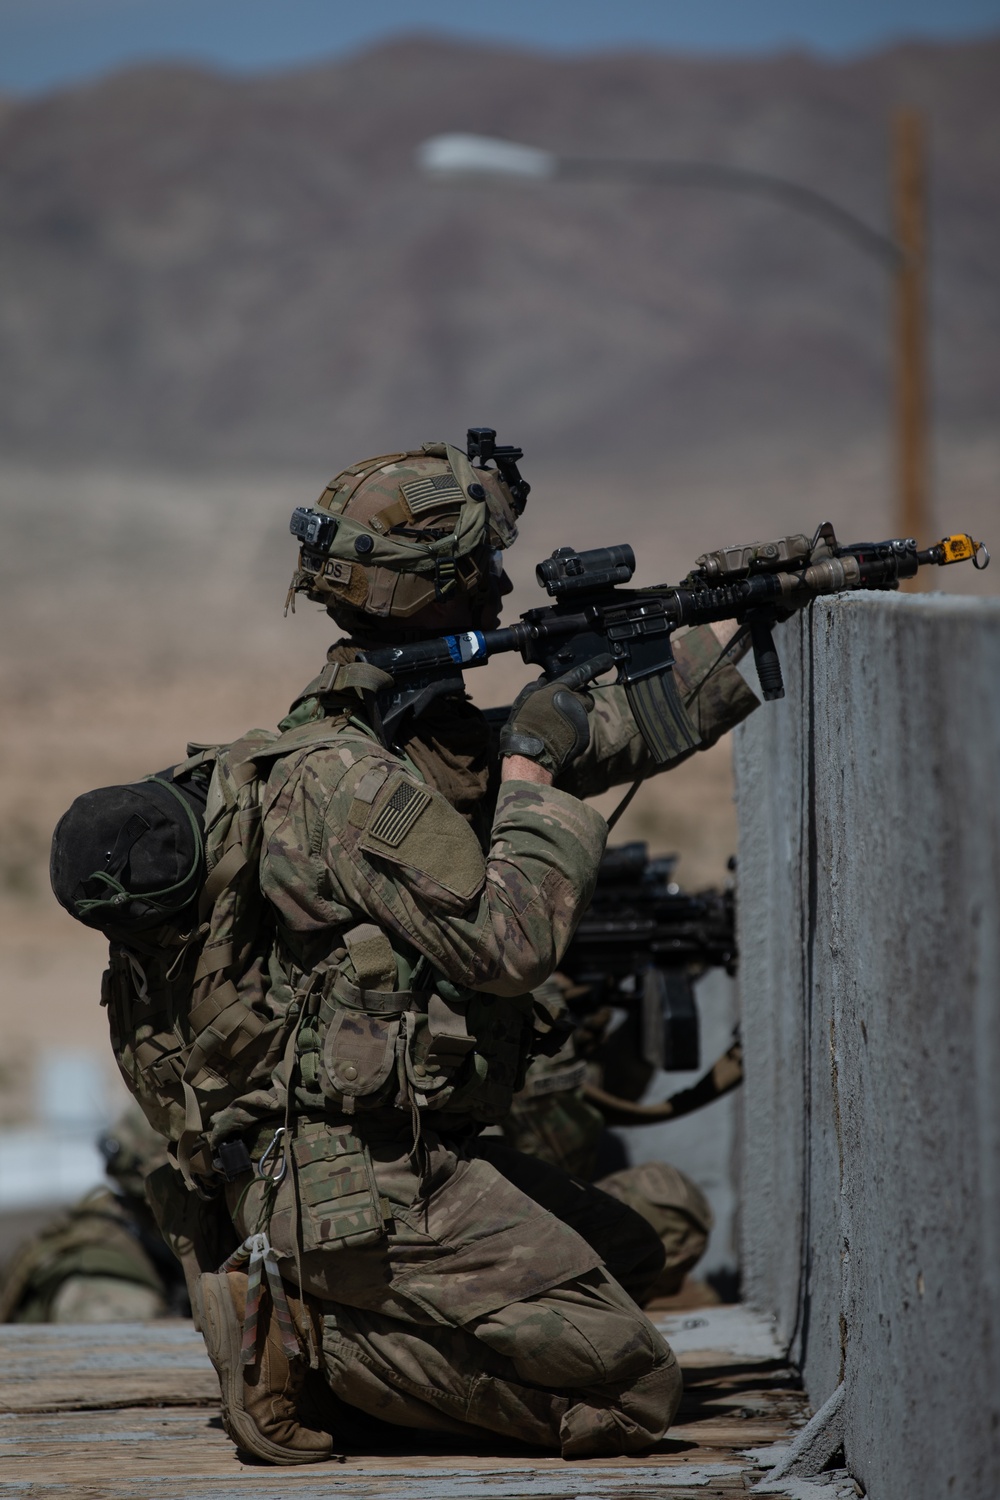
[[548, 720]]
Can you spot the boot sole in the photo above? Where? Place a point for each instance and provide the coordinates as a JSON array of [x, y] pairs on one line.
[[223, 1338]]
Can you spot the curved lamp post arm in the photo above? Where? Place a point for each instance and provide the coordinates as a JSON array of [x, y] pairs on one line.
[[705, 174], [485, 156]]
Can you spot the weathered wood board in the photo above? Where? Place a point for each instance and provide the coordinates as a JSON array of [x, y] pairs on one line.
[[130, 1412], [73, 1367]]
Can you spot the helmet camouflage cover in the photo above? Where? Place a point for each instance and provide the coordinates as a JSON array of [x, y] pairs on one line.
[[392, 536]]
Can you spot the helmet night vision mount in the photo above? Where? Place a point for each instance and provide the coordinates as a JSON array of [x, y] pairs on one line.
[[481, 444]]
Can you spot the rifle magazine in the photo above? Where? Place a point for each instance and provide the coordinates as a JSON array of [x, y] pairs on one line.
[[663, 720]]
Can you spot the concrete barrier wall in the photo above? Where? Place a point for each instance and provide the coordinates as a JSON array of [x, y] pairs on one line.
[[869, 803]]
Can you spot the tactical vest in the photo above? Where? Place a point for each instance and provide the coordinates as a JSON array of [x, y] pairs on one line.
[[382, 1029], [376, 1035]]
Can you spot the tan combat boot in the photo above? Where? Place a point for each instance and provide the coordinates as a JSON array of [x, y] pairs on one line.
[[259, 1401]]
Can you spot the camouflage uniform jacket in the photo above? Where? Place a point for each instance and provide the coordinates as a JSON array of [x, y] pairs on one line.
[[423, 944]]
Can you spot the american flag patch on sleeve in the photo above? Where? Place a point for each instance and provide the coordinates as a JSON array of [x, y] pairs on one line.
[[398, 813], [433, 491]]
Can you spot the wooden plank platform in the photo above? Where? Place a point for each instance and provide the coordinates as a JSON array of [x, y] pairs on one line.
[[130, 1412]]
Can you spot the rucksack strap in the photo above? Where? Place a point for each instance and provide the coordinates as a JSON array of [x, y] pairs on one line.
[[224, 1023], [343, 676], [359, 677], [225, 872]]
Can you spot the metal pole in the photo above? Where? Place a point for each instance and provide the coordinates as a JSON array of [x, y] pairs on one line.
[[909, 220]]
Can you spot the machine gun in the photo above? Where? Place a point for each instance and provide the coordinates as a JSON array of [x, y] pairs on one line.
[[595, 618], [637, 951]]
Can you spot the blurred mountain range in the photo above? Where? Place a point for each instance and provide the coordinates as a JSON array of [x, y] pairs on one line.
[[198, 271]]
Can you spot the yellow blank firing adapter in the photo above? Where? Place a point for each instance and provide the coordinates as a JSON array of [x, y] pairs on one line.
[[960, 548]]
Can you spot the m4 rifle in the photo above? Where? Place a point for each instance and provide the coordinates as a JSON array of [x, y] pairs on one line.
[[596, 619]]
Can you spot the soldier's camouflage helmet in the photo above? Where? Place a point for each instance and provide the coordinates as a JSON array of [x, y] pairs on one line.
[[411, 537]]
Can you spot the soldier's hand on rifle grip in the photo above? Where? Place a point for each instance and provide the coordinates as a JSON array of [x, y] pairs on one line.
[[548, 722]]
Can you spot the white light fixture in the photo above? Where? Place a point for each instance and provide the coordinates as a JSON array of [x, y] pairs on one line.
[[483, 155]]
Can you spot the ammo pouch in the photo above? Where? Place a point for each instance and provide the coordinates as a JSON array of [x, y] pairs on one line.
[[381, 1047], [360, 1031], [437, 1043], [377, 1047], [339, 1200]]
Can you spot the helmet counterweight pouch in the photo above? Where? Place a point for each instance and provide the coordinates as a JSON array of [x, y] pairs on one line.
[[127, 858]]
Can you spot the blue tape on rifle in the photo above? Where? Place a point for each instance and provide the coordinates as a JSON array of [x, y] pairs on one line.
[[469, 646]]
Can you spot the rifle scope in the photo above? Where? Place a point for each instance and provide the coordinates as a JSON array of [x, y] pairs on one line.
[[570, 572]]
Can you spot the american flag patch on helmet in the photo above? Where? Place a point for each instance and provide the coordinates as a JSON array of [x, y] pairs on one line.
[[433, 491], [399, 812]]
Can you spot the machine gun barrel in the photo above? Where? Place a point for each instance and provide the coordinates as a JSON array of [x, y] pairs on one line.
[[645, 925], [687, 931]]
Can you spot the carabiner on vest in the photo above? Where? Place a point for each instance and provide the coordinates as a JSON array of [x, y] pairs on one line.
[[272, 1164]]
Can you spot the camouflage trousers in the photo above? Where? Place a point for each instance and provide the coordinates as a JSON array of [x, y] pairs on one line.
[[497, 1300]]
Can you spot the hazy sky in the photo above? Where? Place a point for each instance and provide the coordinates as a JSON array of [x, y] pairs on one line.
[[48, 42]]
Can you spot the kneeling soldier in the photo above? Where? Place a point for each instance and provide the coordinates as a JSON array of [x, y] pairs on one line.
[[419, 882]]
